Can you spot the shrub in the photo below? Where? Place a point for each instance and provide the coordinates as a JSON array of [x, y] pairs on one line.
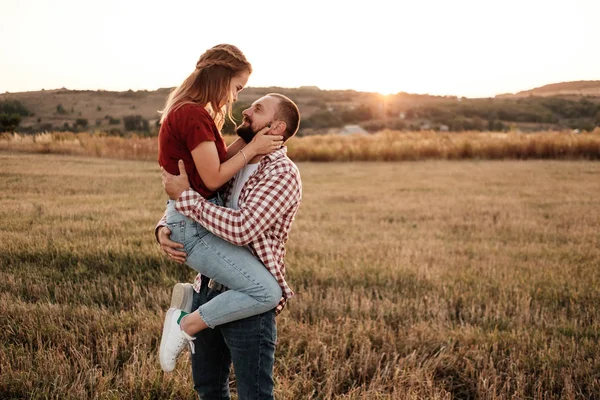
[[82, 122], [61, 110], [9, 122], [10, 107], [135, 123]]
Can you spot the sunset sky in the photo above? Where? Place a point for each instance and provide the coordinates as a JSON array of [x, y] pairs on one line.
[[472, 48]]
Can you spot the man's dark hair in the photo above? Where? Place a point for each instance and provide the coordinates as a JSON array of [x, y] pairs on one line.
[[288, 112]]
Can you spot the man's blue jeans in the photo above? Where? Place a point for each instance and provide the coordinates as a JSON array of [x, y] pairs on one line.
[[247, 343]]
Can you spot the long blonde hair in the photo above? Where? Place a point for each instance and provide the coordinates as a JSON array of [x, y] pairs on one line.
[[210, 82]]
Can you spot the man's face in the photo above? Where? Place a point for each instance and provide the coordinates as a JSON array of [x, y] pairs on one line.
[[255, 118]]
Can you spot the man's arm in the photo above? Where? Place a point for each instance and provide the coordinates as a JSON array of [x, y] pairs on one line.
[[265, 204]]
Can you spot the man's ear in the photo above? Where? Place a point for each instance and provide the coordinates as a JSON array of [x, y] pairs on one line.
[[279, 128]]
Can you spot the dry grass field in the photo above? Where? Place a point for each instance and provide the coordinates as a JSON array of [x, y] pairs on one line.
[[422, 280], [382, 146]]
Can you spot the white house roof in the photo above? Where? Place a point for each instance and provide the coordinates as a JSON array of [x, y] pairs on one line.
[[350, 129]]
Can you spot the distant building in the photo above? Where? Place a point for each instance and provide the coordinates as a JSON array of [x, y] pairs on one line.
[[353, 129]]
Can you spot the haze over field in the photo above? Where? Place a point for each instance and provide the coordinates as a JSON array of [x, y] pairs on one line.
[[464, 48]]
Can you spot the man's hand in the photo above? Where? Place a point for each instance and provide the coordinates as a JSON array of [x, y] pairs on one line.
[[175, 184], [170, 247]]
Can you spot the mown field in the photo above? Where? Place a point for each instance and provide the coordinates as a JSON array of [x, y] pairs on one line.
[[414, 280]]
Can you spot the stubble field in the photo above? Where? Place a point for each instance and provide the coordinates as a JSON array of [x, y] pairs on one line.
[[416, 280]]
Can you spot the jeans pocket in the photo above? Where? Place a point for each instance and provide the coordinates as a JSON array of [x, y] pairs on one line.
[[177, 229]]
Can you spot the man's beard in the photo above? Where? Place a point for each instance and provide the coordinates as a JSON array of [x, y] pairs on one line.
[[246, 133]]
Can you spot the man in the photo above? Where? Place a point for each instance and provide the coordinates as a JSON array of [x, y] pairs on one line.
[[262, 201]]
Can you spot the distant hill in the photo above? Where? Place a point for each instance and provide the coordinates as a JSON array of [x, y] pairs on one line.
[[105, 110], [562, 89], [574, 105]]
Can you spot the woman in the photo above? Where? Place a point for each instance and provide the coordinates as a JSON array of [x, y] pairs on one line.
[[190, 130]]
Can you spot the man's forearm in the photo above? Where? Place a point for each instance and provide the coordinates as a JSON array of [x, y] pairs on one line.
[[267, 203]]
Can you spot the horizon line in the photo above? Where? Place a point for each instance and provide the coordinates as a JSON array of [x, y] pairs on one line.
[[308, 87]]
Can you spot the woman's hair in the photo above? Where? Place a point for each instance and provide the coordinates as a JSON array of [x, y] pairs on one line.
[[209, 84]]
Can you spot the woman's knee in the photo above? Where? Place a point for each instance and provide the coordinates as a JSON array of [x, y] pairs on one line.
[[272, 295]]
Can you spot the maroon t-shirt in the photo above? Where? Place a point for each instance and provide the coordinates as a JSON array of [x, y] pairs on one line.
[[180, 133]]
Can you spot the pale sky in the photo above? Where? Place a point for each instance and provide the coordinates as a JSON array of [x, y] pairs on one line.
[[472, 48]]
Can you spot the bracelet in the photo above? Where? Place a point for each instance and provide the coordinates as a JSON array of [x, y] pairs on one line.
[[245, 158]]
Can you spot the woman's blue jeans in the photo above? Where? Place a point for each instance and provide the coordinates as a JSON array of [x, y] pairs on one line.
[[252, 288]]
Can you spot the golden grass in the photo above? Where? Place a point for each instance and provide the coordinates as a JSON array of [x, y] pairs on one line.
[[421, 280], [383, 146]]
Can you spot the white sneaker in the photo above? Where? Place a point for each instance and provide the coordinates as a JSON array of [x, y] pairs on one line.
[[182, 297], [173, 340]]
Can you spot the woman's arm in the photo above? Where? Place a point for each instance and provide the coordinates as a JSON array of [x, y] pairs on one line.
[[234, 147], [214, 174]]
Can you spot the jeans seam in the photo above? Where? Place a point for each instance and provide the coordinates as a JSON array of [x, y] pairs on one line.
[[212, 326], [221, 369], [260, 343], [222, 256]]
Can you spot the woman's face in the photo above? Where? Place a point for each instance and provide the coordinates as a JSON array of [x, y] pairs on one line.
[[237, 84]]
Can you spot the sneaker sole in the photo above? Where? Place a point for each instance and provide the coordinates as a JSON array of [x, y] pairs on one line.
[[182, 297], [163, 339]]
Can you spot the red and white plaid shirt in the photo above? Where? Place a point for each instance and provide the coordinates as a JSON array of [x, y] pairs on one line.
[[268, 203]]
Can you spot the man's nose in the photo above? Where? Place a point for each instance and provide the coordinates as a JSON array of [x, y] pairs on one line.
[[246, 112]]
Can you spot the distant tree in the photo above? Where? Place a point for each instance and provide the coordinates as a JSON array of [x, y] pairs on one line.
[[98, 108], [61, 110], [358, 114], [9, 122], [81, 122], [322, 119], [135, 123], [113, 121], [14, 107]]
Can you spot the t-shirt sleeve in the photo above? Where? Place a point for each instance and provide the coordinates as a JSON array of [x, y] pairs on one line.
[[198, 127]]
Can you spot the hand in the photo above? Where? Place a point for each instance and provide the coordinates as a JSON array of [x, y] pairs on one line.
[[175, 184], [265, 144], [170, 247]]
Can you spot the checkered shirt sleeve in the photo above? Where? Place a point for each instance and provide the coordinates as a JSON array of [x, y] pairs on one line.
[[263, 206]]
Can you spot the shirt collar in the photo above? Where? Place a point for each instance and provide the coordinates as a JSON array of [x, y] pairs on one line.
[[277, 154]]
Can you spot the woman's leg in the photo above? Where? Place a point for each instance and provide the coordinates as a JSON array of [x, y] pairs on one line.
[[252, 288]]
